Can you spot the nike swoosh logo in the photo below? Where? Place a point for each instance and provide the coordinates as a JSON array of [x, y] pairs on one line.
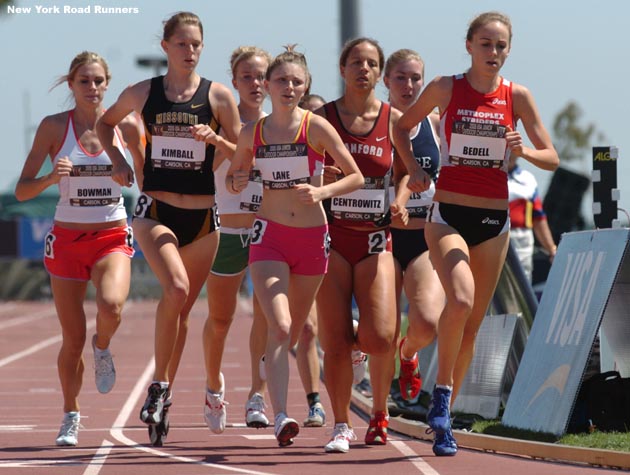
[[556, 380], [196, 106], [378, 139]]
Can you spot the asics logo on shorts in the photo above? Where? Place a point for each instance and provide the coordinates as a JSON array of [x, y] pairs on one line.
[[487, 220]]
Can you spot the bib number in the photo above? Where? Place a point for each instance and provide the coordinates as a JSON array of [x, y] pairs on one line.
[[377, 242]]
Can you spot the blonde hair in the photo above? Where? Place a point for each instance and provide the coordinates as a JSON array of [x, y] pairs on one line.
[[82, 59], [243, 53], [399, 56]]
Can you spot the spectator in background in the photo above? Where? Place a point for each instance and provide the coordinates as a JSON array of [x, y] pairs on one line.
[[527, 217]]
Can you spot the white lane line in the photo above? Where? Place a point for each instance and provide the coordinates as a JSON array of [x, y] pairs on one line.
[[417, 461], [45, 343], [26, 319], [37, 347], [130, 405], [97, 462]]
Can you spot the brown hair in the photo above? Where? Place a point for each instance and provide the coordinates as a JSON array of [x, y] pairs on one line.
[[290, 56], [243, 53], [179, 19], [399, 56], [483, 19], [304, 102], [350, 44], [82, 59]]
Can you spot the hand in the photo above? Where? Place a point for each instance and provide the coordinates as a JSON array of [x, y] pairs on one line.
[[63, 167], [400, 214], [330, 174], [419, 180], [122, 173], [204, 133], [240, 178], [514, 141], [308, 194]]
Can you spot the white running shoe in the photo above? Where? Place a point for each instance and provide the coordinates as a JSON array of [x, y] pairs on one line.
[[104, 371], [214, 411], [340, 440], [69, 432], [285, 429], [255, 412], [359, 366]]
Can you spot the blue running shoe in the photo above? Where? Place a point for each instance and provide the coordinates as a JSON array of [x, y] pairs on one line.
[[439, 417], [444, 444]]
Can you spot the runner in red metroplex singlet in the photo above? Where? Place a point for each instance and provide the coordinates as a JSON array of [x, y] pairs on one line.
[[468, 222]]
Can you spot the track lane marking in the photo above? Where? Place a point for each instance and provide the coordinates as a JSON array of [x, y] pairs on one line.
[[38, 346], [123, 416], [423, 467]]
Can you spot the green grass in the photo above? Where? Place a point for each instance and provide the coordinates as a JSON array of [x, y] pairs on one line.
[[619, 441]]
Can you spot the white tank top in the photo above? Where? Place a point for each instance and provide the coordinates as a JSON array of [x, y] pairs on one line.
[[230, 203], [88, 195]]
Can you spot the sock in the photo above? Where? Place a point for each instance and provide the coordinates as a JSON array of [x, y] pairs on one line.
[[312, 398], [99, 352]]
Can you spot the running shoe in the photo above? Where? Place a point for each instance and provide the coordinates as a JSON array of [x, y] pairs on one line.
[[285, 429], [340, 440], [316, 416], [69, 431], [359, 366], [377, 430], [409, 378], [214, 412], [439, 416], [104, 371], [151, 412], [255, 412], [444, 444]]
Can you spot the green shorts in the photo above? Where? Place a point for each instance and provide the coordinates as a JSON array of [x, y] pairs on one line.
[[233, 252]]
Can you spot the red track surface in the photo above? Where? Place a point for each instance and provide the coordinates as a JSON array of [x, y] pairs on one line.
[[114, 441]]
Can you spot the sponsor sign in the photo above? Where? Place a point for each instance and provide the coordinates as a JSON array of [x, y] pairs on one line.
[[572, 307]]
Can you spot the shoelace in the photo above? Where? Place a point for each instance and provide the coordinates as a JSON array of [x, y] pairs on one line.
[[441, 403], [215, 403], [343, 433], [69, 427], [155, 395], [358, 357], [256, 403]]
